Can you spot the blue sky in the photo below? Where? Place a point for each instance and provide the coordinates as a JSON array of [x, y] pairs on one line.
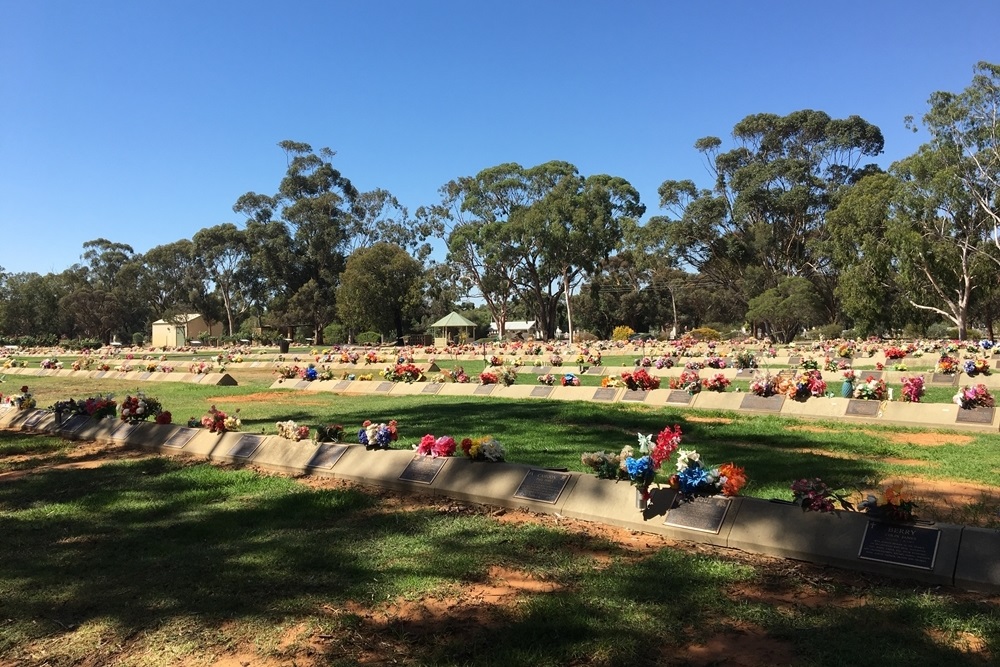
[[143, 122]]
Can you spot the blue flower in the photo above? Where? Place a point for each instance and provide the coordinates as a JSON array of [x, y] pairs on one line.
[[691, 478], [363, 437], [970, 367], [383, 437], [986, 344], [311, 374]]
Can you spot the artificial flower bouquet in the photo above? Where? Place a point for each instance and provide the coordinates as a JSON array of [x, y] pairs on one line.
[[140, 408], [974, 367], [893, 504], [764, 385], [809, 364], [605, 464], [217, 421], [378, 436], [555, 360], [803, 386], [292, 431], [487, 448], [431, 446], [718, 382], [643, 362], [895, 352], [694, 478], [570, 380], [612, 382], [746, 359], [308, 373], [716, 362], [403, 373], [664, 362], [547, 379], [871, 390], [330, 433], [977, 396], [688, 381], [488, 377], [642, 470], [814, 495], [496, 361], [913, 388], [640, 379], [99, 407], [24, 400]]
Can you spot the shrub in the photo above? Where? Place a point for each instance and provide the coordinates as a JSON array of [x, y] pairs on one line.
[[584, 337], [334, 334], [622, 332], [828, 331], [705, 333], [369, 338]]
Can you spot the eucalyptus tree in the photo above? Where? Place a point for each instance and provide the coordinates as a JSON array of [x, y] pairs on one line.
[[172, 279], [764, 217], [222, 253], [381, 288]]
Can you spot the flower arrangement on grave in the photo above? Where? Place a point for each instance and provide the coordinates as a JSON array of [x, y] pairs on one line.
[[607, 465], [496, 361], [24, 400], [350, 357], [68, 407], [103, 366], [913, 388], [308, 373], [555, 360], [292, 431], [435, 447], [217, 421], [403, 373], [688, 381], [99, 407], [330, 433], [694, 365], [581, 359], [643, 362], [664, 362], [124, 367], [845, 350], [13, 363], [50, 364], [746, 359], [326, 374], [642, 470], [487, 448], [809, 364], [139, 408], [974, 367], [804, 385], [570, 380], [488, 377], [372, 357], [895, 352], [612, 382], [378, 436], [693, 478], [715, 362], [717, 382], [82, 364], [814, 495], [640, 379], [286, 372], [547, 379], [871, 389], [594, 359], [986, 344], [201, 367], [977, 396], [764, 385], [892, 504]]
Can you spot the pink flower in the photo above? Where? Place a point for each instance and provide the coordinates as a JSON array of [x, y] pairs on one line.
[[426, 446], [444, 446]]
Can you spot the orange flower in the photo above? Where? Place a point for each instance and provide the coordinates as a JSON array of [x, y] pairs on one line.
[[735, 478]]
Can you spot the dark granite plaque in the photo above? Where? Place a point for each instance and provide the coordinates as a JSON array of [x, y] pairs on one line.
[[794, 361], [678, 396], [594, 370], [975, 416], [145, 375], [900, 544], [326, 456], [635, 395], [998, 365], [301, 384], [606, 394], [942, 378], [431, 389], [342, 385], [32, 421], [542, 485], [702, 514], [861, 408], [383, 386], [246, 445], [124, 430], [180, 438], [769, 404], [864, 375], [422, 469], [541, 392], [74, 423], [483, 390]]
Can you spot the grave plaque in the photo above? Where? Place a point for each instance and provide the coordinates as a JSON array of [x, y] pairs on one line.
[[942, 378], [431, 389], [483, 390], [32, 421], [635, 395], [541, 392], [99, 374], [383, 386], [864, 375], [542, 485], [794, 361], [998, 365], [326, 456], [975, 416], [768, 404], [862, 408], [422, 469], [342, 385], [594, 370], [73, 424], [301, 384], [678, 396], [900, 544], [145, 375], [180, 438], [606, 394], [246, 445], [704, 514], [124, 430]]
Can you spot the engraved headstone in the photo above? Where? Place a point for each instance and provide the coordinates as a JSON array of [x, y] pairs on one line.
[[32, 421], [704, 514], [542, 485], [864, 376], [180, 438], [541, 392], [483, 389], [246, 445], [606, 394], [326, 456], [975, 416], [124, 430], [422, 469], [900, 544], [73, 424], [861, 408]]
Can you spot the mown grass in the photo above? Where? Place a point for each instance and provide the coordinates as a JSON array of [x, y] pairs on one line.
[[157, 562]]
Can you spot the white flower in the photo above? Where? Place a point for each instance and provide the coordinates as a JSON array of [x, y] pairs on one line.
[[685, 457]]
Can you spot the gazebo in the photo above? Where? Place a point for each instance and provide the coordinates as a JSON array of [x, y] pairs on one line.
[[453, 321]]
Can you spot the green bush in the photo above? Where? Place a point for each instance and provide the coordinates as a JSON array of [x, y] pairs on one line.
[[369, 338], [584, 337], [705, 333], [334, 334]]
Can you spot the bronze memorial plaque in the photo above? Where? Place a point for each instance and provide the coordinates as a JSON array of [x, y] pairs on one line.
[[635, 395], [900, 544], [32, 421], [541, 392], [431, 389], [942, 378], [342, 385], [542, 485], [422, 469], [180, 438], [383, 386], [326, 456], [606, 394], [678, 396], [975, 416], [857, 407], [483, 390], [74, 423], [704, 514], [246, 445], [794, 361], [594, 370], [124, 430], [301, 384], [768, 404]]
